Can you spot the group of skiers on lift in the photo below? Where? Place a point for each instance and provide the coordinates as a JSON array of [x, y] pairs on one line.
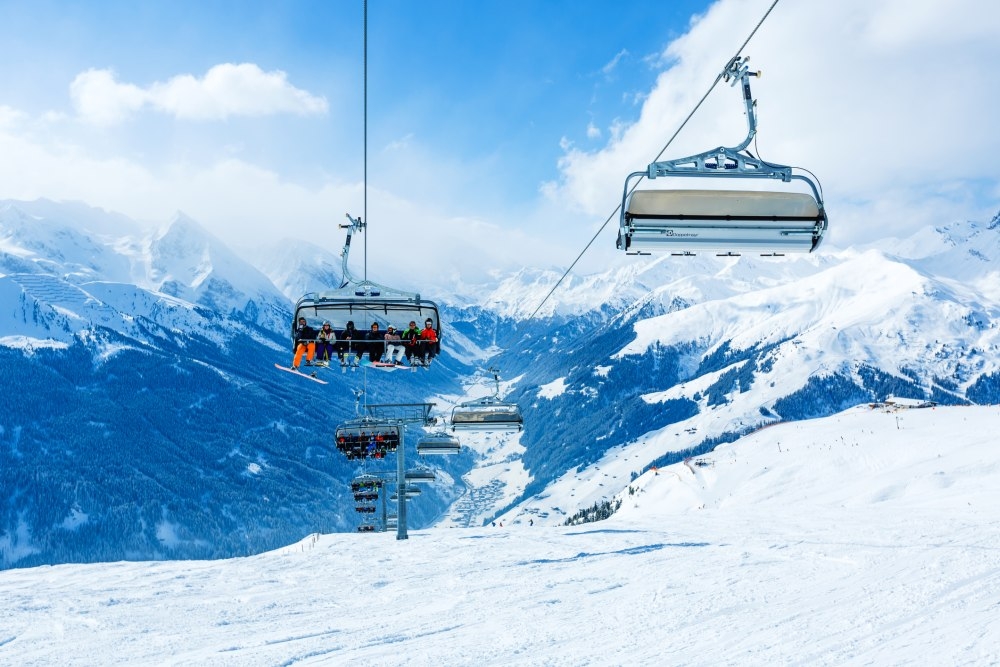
[[418, 346]]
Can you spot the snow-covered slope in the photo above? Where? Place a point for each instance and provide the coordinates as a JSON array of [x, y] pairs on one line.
[[185, 261], [867, 537], [141, 416]]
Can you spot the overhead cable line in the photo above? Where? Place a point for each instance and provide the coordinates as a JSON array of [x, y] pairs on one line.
[[364, 188], [364, 206], [658, 155]]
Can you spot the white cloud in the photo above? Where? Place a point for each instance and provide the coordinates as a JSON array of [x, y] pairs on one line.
[[610, 67], [885, 102], [248, 205], [10, 117], [101, 100], [225, 90], [399, 144]]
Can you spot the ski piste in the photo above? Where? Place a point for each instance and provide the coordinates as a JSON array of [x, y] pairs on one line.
[[294, 371]]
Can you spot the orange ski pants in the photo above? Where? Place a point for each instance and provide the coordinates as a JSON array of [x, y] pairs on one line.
[[308, 348]]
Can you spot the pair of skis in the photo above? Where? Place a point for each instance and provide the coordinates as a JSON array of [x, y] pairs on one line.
[[353, 364]]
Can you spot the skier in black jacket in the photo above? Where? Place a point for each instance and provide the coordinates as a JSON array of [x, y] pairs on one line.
[[347, 341], [305, 341]]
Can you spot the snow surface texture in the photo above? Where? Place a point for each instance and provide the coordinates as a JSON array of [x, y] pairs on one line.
[[868, 537]]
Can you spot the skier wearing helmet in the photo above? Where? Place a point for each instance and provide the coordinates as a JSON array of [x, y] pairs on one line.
[[325, 348]]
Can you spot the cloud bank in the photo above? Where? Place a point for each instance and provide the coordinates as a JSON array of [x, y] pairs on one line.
[[226, 90]]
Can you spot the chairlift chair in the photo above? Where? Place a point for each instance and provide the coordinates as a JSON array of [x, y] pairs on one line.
[[365, 437], [729, 222], [419, 475], [438, 443], [364, 302], [487, 414], [411, 491], [366, 482]]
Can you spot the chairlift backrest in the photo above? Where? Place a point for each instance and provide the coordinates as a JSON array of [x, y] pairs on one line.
[[339, 308]]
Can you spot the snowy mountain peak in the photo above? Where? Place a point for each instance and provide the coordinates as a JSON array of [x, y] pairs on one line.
[[298, 267], [184, 260], [181, 259]]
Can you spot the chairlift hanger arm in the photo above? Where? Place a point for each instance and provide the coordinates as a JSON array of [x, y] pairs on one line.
[[738, 70], [726, 160], [356, 225], [364, 288]]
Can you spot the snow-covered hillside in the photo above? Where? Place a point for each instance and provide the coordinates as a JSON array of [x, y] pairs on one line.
[[867, 537]]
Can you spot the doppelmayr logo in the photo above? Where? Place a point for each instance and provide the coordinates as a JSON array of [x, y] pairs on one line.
[[670, 232]]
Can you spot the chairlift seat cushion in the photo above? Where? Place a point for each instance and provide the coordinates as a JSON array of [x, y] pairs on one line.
[[716, 204]]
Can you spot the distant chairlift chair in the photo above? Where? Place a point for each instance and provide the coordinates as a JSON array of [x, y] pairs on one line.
[[438, 443], [487, 414], [364, 438]]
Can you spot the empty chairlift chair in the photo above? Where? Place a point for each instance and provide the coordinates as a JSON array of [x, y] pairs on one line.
[[419, 475], [487, 414], [767, 222], [411, 492], [438, 443]]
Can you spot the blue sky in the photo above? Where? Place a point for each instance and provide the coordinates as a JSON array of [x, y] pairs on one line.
[[501, 130]]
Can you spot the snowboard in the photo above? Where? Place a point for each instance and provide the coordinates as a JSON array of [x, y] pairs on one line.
[[300, 373]]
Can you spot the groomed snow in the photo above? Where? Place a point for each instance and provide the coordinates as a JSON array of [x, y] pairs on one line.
[[865, 538]]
